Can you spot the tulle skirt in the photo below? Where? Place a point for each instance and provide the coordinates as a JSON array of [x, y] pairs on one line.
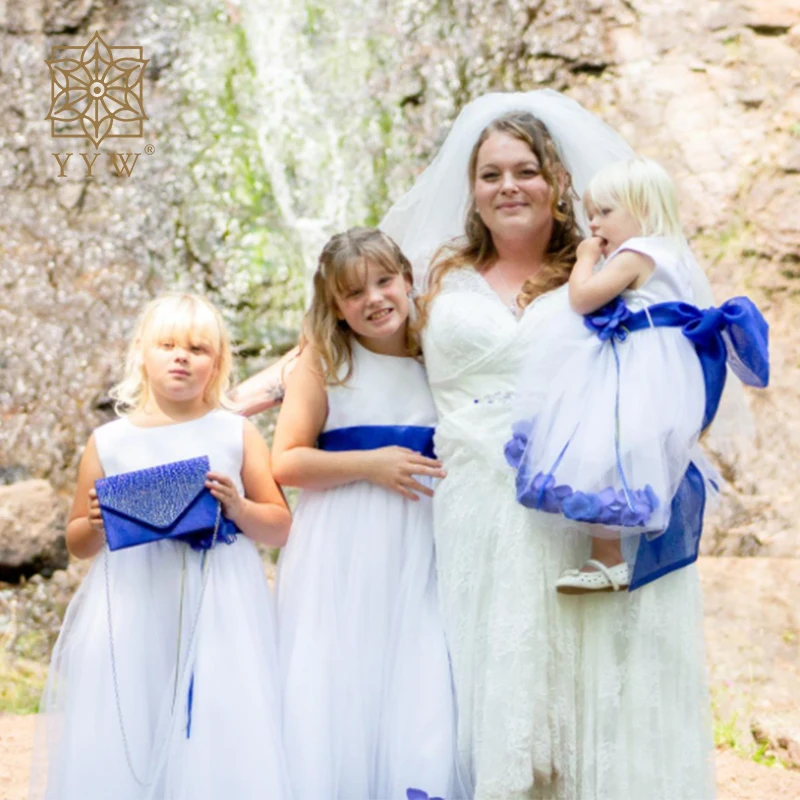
[[194, 713], [560, 698], [368, 700], [604, 430]]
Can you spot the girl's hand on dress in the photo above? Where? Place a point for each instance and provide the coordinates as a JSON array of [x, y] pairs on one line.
[[224, 490], [591, 249], [95, 517], [394, 468]]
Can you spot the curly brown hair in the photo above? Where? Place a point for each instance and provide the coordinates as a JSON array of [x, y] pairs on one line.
[[477, 248], [340, 269]]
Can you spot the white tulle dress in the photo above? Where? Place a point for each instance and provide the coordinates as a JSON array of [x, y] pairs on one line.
[[368, 699], [223, 742], [557, 697], [607, 420]]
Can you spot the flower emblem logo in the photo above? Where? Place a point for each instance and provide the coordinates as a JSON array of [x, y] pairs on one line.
[[96, 91]]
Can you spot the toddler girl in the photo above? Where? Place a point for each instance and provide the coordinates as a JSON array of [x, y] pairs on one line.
[[624, 382]]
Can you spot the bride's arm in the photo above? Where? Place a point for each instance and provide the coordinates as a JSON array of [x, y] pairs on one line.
[[263, 390]]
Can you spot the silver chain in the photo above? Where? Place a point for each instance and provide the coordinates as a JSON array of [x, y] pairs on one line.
[[204, 580], [180, 627]]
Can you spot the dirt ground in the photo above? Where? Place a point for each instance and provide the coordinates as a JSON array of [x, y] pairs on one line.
[[737, 778]]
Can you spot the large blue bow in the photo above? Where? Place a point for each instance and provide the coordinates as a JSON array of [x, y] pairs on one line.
[[735, 333]]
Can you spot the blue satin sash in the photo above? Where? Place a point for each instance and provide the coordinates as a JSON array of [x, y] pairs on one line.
[[371, 437], [735, 334], [679, 545]]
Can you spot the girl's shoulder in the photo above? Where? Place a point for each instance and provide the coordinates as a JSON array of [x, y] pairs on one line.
[[671, 278], [226, 416], [372, 370], [663, 250], [111, 429], [124, 426]]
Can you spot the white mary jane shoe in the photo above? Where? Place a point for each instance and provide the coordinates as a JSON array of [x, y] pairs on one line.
[[606, 579]]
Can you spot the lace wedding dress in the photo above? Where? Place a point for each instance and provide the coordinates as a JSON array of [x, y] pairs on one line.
[[558, 697]]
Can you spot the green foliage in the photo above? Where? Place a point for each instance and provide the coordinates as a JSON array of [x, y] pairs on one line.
[[732, 241], [726, 734], [21, 685], [230, 223], [731, 731]]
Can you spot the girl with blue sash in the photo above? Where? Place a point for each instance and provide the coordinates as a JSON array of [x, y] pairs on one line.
[[618, 389], [368, 701]]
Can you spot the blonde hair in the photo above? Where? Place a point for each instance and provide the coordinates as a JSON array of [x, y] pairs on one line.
[[477, 248], [182, 318], [340, 269], [641, 187]]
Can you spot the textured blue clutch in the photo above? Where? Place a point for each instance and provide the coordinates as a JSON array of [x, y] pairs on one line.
[[169, 501]]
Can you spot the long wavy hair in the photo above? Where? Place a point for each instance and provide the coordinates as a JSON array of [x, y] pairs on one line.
[[476, 247], [341, 268]]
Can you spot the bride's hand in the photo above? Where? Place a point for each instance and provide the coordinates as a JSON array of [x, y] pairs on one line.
[[394, 468]]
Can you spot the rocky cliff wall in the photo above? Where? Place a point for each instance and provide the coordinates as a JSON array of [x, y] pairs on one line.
[[709, 87]]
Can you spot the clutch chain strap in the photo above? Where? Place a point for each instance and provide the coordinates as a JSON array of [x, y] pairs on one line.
[[180, 627], [203, 581]]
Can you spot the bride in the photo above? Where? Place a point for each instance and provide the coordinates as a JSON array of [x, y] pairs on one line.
[[577, 700]]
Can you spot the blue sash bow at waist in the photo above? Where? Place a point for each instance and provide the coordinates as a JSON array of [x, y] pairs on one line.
[[735, 333], [371, 437]]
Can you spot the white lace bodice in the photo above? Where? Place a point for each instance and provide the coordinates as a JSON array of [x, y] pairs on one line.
[[473, 347]]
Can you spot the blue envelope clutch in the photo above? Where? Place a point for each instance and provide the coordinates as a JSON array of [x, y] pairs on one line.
[[169, 501]]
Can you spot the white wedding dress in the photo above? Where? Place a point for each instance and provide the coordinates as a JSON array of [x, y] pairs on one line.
[[599, 698]]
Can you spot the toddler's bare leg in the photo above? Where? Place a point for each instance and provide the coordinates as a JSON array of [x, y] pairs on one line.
[[606, 551]]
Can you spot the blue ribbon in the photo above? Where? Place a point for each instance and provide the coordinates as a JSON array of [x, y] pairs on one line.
[[679, 544], [190, 692], [736, 333], [371, 437], [202, 541], [189, 704], [610, 321]]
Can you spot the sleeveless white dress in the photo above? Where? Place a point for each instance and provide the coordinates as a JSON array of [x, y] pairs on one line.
[[558, 697], [228, 665], [610, 425], [368, 700]]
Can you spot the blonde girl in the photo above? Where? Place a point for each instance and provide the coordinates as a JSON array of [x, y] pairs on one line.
[[367, 693], [163, 681]]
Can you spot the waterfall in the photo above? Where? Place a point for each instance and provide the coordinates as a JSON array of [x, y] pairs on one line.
[[318, 119]]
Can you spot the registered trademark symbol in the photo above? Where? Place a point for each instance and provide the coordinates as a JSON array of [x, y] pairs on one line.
[[149, 149]]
